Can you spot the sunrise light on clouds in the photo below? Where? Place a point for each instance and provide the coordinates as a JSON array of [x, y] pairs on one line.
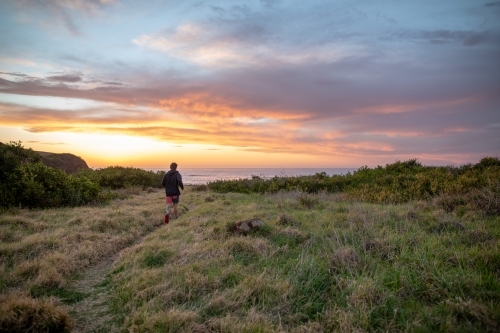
[[252, 83]]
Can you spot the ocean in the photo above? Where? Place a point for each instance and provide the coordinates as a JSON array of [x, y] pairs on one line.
[[201, 176]]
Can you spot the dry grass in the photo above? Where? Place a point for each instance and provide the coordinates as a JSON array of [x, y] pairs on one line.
[[20, 313], [332, 266], [344, 258], [43, 252], [329, 266]]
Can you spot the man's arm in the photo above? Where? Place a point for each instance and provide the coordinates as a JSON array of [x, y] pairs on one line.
[[179, 181], [163, 183]]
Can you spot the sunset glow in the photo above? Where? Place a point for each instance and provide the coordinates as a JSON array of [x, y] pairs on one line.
[[258, 83]]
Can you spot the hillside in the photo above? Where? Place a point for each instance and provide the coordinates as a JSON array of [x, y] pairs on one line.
[[65, 161]]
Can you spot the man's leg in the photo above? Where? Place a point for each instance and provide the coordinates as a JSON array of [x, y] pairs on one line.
[[175, 210], [169, 202], [175, 201], [167, 209]]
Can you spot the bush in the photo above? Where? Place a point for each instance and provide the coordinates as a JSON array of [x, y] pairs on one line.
[[12, 155], [35, 185], [26, 182], [399, 182], [116, 177]]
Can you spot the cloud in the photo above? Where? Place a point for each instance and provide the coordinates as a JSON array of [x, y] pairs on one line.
[[444, 37], [270, 3], [23, 62], [87, 6], [467, 38], [242, 37], [66, 78], [57, 13], [210, 118], [217, 9], [303, 82]]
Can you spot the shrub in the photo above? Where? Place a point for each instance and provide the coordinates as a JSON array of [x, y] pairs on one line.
[[200, 188], [26, 182], [38, 186], [477, 185], [116, 177], [12, 155]]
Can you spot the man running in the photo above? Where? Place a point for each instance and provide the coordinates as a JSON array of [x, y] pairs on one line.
[[171, 181]]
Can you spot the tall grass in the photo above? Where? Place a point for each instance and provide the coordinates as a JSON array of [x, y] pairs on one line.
[[323, 262], [336, 265], [42, 252]]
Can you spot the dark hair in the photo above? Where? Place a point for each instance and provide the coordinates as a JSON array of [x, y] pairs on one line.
[[173, 166]]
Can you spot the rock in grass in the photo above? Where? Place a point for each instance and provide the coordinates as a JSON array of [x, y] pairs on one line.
[[246, 226]]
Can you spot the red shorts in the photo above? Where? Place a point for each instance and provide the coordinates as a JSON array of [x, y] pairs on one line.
[[174, 199]]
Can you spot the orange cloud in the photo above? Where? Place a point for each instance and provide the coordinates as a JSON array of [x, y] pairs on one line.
[[409, 107]]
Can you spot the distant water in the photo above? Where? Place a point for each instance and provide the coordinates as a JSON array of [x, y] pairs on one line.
[[201, 176]]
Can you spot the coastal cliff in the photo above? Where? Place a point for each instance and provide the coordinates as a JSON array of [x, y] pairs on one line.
[[67, 162]]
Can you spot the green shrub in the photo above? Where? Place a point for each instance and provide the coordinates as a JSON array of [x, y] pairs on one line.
[[26, 182], [35, 185], [12, 155], [116, 177], [477, 185]]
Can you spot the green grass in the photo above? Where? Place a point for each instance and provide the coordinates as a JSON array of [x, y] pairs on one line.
[[322, 263], [335, 266], [65, 295]]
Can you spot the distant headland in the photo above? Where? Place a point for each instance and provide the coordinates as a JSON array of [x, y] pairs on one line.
[[67, 162]]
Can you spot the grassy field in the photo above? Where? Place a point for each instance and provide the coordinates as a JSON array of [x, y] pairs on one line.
[[321, 263], [44, 252]]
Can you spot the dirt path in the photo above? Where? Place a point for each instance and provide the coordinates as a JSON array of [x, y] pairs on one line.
[[91, 315]]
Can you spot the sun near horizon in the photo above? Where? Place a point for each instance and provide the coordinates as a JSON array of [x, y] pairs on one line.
[[100, 151]]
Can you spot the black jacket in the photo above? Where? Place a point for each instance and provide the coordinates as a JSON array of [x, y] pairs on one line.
[[171, 181]]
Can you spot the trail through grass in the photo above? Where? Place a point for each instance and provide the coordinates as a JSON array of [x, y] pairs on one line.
[[92, 314], [321, 263], [54, 261]]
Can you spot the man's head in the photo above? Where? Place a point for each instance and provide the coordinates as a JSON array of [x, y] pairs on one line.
[[173, 166]]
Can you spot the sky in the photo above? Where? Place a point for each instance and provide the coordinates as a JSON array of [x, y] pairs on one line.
[[252, 83]]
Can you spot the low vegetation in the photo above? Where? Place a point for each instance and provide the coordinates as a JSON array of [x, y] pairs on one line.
[[116, 177], [325, 260], [43, 252], [321, 263], [473, 186], [26, 182]]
